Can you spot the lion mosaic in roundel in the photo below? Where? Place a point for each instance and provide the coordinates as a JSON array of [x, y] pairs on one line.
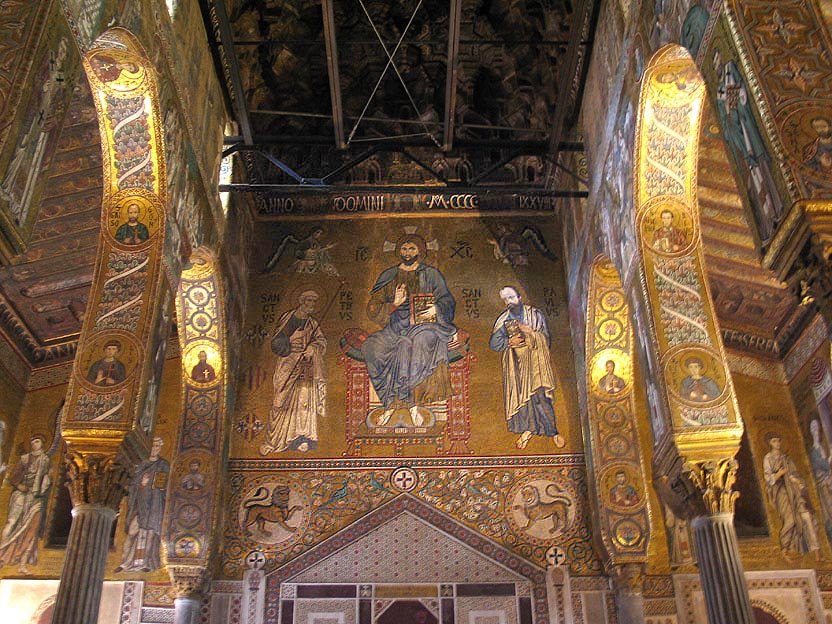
[[542, 509], [273, 512]]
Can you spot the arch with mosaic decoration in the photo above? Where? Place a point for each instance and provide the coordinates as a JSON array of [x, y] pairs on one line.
[[109, 382], [618, 474], [195, 487]]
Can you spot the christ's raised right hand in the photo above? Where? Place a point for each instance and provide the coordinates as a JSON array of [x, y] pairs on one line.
[[400, 296]]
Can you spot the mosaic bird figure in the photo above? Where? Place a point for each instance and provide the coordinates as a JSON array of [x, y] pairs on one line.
[[338, 494], [474, 490], [376, 484]]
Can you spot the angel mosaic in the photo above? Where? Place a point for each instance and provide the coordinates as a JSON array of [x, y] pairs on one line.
[[513, 245], [311, 254]]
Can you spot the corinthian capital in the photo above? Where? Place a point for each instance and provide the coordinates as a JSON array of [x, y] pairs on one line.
[[694, 488], [97, 478], [715, 481]]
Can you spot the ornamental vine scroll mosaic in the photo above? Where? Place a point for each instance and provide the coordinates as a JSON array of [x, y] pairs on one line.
[[699, 387], [194, 490]]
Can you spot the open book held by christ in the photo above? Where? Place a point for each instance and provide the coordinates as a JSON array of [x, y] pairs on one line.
[[419, 302]]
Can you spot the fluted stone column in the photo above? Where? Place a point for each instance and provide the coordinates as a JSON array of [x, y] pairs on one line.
[[190, 583], [97, 484], [628, 581], [79, 594], [715, 542], [720, 569]]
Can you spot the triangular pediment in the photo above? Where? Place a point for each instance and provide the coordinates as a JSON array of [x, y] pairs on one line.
[[406, 540]]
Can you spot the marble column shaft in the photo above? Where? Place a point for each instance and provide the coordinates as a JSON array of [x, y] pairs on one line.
[[79, 593], [630, 607], [627, 582], [187, 610], [720, 569]]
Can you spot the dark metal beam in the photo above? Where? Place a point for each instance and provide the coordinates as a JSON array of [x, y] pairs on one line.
[[406, 189], [497, 165], [588, 45], [530, 147], [333, 73], [421, 42], [332, 175], [237, 92], [212, 33], [566, 76], [451, 74], [396, 120]]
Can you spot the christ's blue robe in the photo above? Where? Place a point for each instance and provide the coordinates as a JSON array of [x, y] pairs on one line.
[[401, 356]]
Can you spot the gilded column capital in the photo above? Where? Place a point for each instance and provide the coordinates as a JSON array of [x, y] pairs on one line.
[[97, 478], [715, 481], [694, 488], [189, 581]]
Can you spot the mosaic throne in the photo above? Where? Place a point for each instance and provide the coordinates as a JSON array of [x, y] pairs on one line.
[[447, 424]]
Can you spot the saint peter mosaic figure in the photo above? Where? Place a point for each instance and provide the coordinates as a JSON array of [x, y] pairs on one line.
[[299, 401]]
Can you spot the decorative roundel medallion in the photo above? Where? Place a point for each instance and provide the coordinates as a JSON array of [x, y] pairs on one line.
[[627, 534], [404, 479], [541, 509], [187, 546], [134, 218], [202, 362], [118, 71], [255, 560], [273, 511], [555, 556], [612, 301]]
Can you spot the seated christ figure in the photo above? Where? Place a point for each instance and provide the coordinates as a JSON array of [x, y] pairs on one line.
[[407, 360]]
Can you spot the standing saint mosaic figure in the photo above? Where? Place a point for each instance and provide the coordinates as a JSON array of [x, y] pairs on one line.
[[30, 483], [787, 493], [521, 334], [145, 510], [822, 469], [299, 379]]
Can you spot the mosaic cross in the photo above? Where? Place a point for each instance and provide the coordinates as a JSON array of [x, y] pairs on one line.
[[404, 479]]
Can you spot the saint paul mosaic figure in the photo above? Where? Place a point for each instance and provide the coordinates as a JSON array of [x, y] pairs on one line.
[[522, 336]]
